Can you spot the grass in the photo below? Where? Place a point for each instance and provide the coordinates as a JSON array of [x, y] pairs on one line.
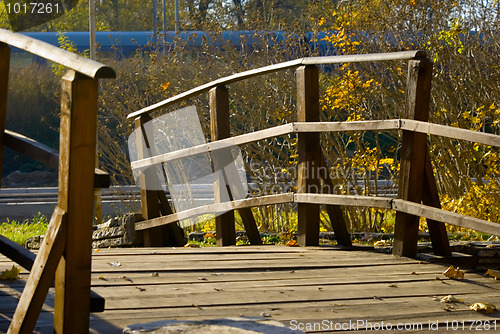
[[20, 231]]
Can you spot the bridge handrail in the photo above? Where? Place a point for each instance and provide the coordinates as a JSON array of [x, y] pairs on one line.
[[400, 55], [298, 127], [416, 166], [88, 67]]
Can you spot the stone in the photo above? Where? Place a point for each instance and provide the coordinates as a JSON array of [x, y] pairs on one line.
[[117, 232]]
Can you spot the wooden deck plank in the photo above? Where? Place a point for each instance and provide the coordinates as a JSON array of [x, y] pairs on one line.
[[289, 283]]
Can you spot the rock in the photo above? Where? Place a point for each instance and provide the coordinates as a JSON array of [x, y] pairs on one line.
[[117, 232], [34, 242]]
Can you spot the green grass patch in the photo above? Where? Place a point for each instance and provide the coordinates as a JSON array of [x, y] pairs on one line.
[[20, 231]]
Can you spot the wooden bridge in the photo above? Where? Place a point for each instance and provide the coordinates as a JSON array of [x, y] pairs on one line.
[[66, 252]]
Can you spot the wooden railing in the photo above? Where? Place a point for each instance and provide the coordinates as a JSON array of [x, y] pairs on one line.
[[67, 248], [417, 193]]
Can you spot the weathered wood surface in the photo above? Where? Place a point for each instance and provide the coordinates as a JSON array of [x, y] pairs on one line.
[[296, 127], [288, 283], [446, 216], [41, 277], [451, 132], [310, 156], [220, 129], [77, 152], [80, 64], [413, 151], [215, 208]]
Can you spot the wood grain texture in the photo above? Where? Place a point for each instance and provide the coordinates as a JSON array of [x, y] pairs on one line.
[[77, 152], [413, 150], [430, 197], [307, 284], [220, 129], [41, 277], [309, 155]]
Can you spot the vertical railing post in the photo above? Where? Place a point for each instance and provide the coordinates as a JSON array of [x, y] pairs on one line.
[[154, 202], [4, 89], [148, 183], [413, 156], [309, 154], [220, 129], [76, 197]]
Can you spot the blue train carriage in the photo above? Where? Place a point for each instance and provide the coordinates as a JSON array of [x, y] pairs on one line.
[[118, 44]]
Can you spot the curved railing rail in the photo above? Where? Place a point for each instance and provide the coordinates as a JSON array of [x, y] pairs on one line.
[[67, 246], [402, 55], [417, 194], [73, 61]]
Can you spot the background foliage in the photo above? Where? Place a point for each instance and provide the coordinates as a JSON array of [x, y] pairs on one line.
[[461, 37]]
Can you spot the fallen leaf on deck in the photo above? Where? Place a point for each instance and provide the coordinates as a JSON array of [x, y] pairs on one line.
[[140, 289], [155, 274], [95, 250], [493, 273], [114, 264], [192, 245], [127, 279], [217, 289], [265, 315], [450, 299], [292, 243], [10, 274], [449, 308], [102, 277], [392, 285], [451, 272], [483, 307], [202, 278]]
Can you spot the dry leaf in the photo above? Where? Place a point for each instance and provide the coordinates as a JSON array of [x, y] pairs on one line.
[[450, 299], [155, 274], [10, 274], [292, 243], [449, 308], [451, 272], [102, 277], [266, 315], [493, 273], [483, 307]]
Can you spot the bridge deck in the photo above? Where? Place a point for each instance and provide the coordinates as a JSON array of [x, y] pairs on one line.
[[297, 286]]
